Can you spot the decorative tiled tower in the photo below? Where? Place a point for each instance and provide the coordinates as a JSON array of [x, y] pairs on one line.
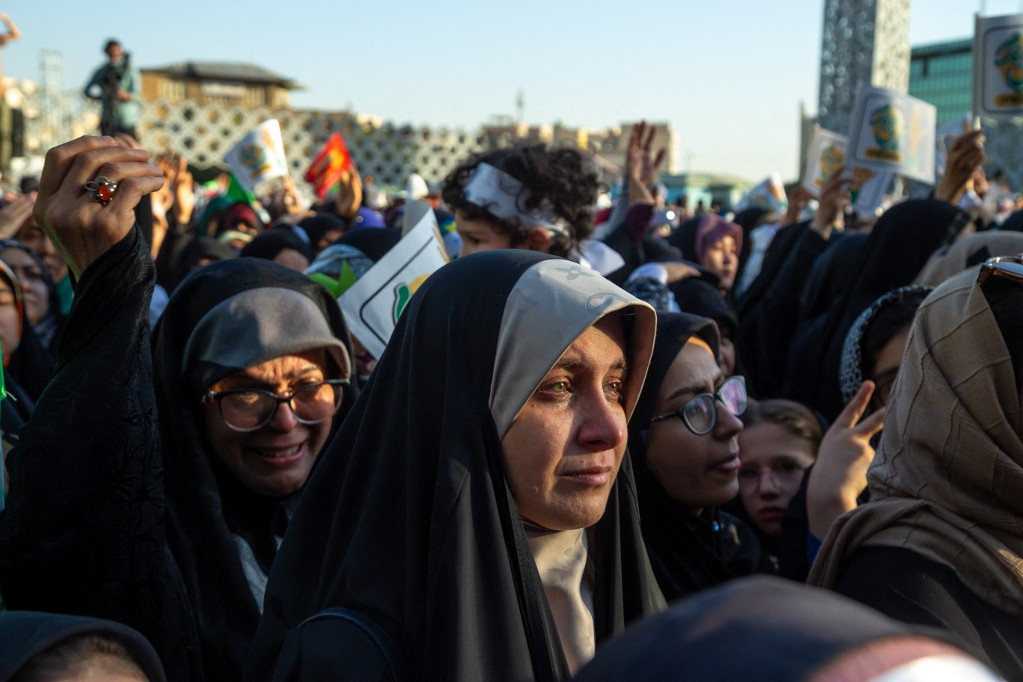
[[863, 41]]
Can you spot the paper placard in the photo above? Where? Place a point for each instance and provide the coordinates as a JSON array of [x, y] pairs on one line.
[[945, 136], [998, 66], [825, 156], [893, 132], [868, 189], [373, 305], [259, 155]]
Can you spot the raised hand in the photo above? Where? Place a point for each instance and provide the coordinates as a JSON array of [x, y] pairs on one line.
[[81, 227], [14, 215], [798, 199], [184, 193], [965, 156], [831, 205], [349, 194], [845, 454], [641, 165]]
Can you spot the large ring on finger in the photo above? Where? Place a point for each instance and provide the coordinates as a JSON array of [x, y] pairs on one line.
[[102, 189]]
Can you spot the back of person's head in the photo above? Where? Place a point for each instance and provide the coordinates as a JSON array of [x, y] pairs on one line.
[[795, 418], [28, 184]]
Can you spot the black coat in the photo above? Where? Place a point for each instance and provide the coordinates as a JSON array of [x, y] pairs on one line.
[[83, 530]]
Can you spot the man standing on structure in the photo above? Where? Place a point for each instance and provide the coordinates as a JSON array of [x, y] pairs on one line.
[[116, 86]]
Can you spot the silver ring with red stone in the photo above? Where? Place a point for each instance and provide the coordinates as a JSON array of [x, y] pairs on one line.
[[101, 189]]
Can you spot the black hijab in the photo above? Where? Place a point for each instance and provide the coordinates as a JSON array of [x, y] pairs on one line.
[[374, 242], [409, 521], [761, 628], [191, 255], [25, 634], [207, 508], [270, 243], [688, 553], [897, 249]]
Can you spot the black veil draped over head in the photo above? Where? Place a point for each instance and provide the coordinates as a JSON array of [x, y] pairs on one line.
[[758, 628], [896, 250], [684, 549], [207, 508], [26, 634], [409, 521]]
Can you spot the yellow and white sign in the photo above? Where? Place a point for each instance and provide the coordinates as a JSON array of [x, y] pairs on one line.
[[893, 132], [998, 66]]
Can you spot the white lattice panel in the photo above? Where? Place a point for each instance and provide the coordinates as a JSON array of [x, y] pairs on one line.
[[205, 132]]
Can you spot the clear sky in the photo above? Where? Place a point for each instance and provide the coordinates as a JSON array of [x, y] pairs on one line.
[[728, 75]]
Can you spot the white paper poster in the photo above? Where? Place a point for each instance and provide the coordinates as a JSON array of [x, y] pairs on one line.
[[998, 66], [945, 136], [373, 305], [868, 189], [259, 155], [893, 132], [825, 156]]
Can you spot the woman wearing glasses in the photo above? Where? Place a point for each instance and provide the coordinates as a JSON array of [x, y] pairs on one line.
[[251, 365], [684, 443], [163, 509], [941, 541]]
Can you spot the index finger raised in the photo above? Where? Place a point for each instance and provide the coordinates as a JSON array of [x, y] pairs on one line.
[[854, 409]]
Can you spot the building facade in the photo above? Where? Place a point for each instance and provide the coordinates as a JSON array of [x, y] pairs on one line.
[[223, 83], [942, 74]]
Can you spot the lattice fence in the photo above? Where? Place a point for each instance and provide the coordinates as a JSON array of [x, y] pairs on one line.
[[205, 132]]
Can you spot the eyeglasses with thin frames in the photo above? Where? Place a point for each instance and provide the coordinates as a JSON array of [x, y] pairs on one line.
[[248, 409], [700, 414]]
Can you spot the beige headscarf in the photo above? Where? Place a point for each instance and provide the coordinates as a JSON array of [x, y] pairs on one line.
[[951, 261], [947, 481]]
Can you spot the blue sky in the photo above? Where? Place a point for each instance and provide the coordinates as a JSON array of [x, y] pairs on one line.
[[728, 75]]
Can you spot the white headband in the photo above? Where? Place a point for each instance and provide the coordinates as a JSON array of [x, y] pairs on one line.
[[496, 191]]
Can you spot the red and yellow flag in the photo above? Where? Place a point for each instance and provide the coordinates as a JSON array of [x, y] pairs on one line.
[[329, 166]]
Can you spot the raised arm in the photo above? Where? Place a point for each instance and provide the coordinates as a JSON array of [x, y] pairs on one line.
[[12, 31], [83, 528], [83, 228]]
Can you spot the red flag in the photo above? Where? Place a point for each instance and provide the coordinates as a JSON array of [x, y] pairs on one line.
[[333, 162]]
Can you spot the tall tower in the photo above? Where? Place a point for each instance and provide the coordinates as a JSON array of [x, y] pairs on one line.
[[863, 41], [53, 128]]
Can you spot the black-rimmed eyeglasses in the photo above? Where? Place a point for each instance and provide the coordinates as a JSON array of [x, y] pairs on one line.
[[700, 414], [247, 409]]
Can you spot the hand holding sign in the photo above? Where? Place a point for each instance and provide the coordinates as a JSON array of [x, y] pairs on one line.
[[831, 209], [965, 156]]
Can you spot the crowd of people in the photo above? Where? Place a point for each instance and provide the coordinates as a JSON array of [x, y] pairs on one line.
[[604, 441]]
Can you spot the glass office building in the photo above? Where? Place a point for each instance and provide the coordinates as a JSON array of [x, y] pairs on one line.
[[942, 74]]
